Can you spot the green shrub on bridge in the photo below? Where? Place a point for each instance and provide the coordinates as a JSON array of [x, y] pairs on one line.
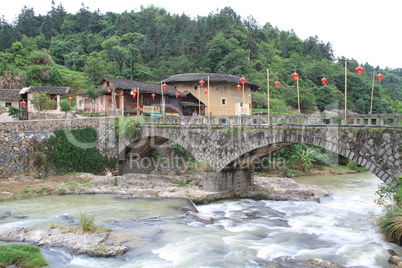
[[75, 151]]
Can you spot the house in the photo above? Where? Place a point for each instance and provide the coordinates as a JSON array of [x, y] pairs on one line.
[[10, 97], [223, 94], [121, 97], [52, 92]]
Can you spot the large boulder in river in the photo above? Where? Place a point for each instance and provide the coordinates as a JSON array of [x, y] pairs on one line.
[[285, 189]]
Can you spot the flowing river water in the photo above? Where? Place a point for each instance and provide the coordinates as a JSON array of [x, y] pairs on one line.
[[246, 233]]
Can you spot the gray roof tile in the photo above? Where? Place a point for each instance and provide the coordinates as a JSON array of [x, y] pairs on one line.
[[10, 94]]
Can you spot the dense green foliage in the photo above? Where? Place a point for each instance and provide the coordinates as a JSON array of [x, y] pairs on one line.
[[75, 151], [26, 256], [77, 50], [390, 196]]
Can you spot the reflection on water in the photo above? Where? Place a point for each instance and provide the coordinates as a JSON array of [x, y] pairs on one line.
[[246, 233]]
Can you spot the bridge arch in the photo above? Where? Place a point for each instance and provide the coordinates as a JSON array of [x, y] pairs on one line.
[[376, 151]]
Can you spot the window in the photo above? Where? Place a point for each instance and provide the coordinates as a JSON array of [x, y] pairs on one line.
[[241, 104], [223, 101], [173, 101], [9, 104], [195, 87]]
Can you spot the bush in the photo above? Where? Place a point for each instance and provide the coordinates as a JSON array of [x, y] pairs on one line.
[[21, 255], [391, 225], [75, 151], [61, 191]]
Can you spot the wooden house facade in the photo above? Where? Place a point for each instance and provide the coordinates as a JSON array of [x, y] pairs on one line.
[[127, 97]]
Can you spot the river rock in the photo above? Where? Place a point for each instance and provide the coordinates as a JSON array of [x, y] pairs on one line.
[[286, 189], [81, 243], [200, 218]]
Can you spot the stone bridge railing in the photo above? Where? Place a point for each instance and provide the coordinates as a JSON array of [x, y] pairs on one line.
[[262, 121]]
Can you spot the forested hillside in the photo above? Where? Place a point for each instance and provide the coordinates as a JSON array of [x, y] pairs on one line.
[[77, 50]]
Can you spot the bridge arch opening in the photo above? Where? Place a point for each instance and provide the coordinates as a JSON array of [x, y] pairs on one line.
[[153, 154], [254, 158]]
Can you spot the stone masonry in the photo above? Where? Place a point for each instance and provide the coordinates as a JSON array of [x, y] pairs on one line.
[[20, 142], [230, 151]]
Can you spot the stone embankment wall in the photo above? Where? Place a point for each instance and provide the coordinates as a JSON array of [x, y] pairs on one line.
[[22, 147]]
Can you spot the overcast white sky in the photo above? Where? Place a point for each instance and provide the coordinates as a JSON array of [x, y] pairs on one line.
[[368, 31]]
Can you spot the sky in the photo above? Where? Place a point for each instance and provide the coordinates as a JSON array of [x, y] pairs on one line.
[[367, 31]]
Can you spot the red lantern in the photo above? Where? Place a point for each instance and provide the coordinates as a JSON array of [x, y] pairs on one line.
[[238, 87], [242, 80], [121, 93], [206, 91], [359, 70], [153, 96], [177, 95], [133, 93], [164, 86], [277, 83], [23, 103], [70, 99], [201, 83], [295, 76], [379, 77], [324, 80], [108, 91]]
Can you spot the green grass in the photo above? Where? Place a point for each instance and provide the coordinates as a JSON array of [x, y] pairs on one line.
[[179, 183], [21, 255], [391, 225]]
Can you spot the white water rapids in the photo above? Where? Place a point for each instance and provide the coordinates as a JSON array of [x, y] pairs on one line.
[[246, 233]]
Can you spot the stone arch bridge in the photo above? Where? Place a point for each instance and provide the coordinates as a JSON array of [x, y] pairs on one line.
[[232, 145], [229, 146]]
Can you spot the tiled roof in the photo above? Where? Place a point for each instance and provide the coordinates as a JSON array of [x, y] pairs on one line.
[[49, 90], [143, 87], [10, 94], [213, 77]]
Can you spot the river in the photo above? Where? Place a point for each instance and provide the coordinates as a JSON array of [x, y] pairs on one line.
[[246, 233]]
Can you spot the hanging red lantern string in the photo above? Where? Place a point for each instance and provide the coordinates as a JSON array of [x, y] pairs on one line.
[[379, 77], [206, 91], [324, 80], [238, 87], [359, 70], [201, 83], [23, 103], [164, 86], [133, 93], [177, 95], [153, 96], [108, 91], [277, 84], [70, 99], [121, 93], [295, 76]]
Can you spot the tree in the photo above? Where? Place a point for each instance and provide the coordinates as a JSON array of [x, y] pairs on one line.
[[95, 68], [115, 51], [65, 106], [41, 103], [27, 23], [325, 96]]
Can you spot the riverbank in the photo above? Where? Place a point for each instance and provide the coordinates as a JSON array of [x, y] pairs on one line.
[[155, 186]]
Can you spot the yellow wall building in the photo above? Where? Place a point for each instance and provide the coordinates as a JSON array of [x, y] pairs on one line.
[[223, 97]]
